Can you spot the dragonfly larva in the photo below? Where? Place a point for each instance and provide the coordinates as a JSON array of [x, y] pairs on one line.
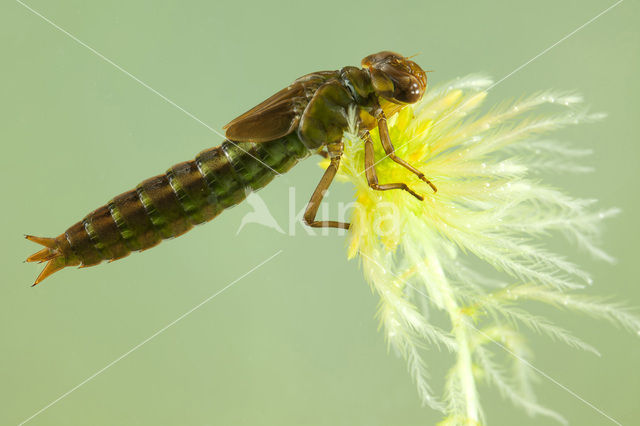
[[307, 117]]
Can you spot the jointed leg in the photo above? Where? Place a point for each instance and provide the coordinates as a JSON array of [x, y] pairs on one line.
[[316, 199], [390, 151], [323, 153], [372, 177]]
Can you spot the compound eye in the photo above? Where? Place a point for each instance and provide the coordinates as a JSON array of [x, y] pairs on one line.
[[408, 91]]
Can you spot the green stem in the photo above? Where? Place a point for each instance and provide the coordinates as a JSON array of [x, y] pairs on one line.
[[464, 362]]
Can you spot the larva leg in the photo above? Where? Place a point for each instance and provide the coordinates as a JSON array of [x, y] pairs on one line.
[[314, 203], [372, 177], [385, 140], [323, 153]]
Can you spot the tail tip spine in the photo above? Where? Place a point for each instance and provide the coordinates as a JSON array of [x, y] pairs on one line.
[[50, 254]]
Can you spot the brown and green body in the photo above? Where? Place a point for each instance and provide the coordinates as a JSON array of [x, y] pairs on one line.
[[168, 205], [309, 116]]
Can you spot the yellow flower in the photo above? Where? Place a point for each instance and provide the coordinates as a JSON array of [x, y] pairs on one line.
[[489, 205]]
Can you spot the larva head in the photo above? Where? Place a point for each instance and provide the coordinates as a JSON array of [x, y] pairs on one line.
[[396, 78]]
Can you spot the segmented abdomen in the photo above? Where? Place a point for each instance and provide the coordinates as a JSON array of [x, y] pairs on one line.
[[170, 204]]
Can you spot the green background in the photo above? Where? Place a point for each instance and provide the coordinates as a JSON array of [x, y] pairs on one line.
[[295, 342]]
